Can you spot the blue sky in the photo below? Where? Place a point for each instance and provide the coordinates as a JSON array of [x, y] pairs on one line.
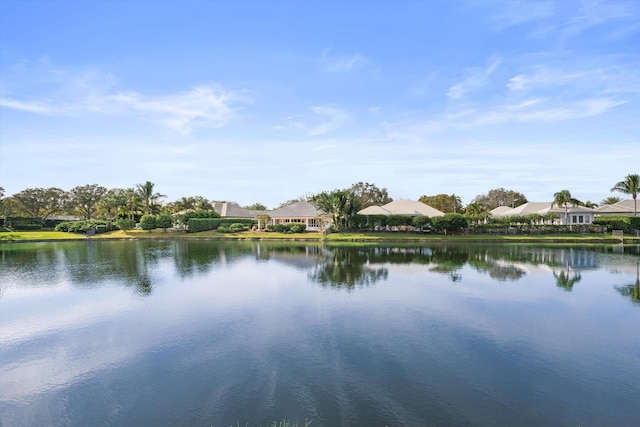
[[266, 101]]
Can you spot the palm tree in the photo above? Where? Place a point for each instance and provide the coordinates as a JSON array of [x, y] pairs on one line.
[[110, 204], [202, 204], [132, 202], [185, 203], [630, 185], [611, 200], [563, 198], [148, 196]]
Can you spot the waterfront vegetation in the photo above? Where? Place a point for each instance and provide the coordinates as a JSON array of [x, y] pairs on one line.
[[159, 234]]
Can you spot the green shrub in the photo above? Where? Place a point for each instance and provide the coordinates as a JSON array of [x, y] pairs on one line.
[[398, 220], [450, 222], [196, 225], [624, 223], [278, 228], [81, 226], [200, 214], [23, 223], [164, 222], [148, 222], [292, 227], [237, 227], [125, 224], [421, 222]]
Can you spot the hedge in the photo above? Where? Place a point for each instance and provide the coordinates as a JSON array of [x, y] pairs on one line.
[[291, 227], [81, 226], [196, 225], [23, 223], [125, 224], [624, 223]]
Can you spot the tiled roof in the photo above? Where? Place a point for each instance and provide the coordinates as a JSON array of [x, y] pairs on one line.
[[295, 210], [402, 207]]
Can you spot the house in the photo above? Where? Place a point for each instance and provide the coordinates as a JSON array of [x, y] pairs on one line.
[[298, 212], [402, 207], [233, 210], [573, 214], [623, 208]]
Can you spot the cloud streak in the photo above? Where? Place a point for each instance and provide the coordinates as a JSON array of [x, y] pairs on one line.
[[206, 106], [477, 78]]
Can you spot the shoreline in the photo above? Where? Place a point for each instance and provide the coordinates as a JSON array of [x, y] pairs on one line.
[[40, 237]]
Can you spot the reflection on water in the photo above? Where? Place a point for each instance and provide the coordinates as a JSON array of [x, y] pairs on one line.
[[220, 333]]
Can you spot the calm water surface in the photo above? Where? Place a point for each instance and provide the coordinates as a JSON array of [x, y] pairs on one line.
[[215, 334]]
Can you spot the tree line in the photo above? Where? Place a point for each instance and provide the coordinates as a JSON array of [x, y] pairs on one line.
[[95, 201]]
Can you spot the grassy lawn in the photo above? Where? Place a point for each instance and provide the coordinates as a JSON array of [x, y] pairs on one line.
[[334, 237], [10, 236]]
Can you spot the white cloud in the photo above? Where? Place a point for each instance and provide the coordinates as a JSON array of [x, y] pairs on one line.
[[477, 78], [334, 119], [514, 13], [54, 91], [344, 63], [202, 106], [31, 106], [331, 118], [563, 19]]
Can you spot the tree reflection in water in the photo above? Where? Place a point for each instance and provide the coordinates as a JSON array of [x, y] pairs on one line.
[[632, 291], [138, 265], [346, 267], [565, 279]]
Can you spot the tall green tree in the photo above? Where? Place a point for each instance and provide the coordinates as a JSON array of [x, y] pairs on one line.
[[501, 197], [185, 203], [256, 207], [109, 206], [147, 195], [132, 202], [447, 203], [629, 185], [370, 195], [202, 204], [84, 199], [341, 205], [41, 202], [563, 199]]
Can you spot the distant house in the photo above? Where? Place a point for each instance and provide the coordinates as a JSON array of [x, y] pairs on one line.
[[623, 208], [402, 207], [233, 210], [298, 212], [575, 214]]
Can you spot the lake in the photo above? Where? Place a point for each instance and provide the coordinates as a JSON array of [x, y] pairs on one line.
[[206, 333]]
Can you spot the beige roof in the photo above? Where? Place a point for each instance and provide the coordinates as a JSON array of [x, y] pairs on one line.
[[572, 209], [295, 210], [623, 207], [500, 211], [233, 210], [402, 207], [374, 210], [539, 208]]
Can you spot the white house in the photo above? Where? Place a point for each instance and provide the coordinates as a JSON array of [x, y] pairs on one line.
[[298, 212], [573, 214]]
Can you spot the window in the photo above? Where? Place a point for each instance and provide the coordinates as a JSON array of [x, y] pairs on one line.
[[580, 219], [313, 222], [574, 219]]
